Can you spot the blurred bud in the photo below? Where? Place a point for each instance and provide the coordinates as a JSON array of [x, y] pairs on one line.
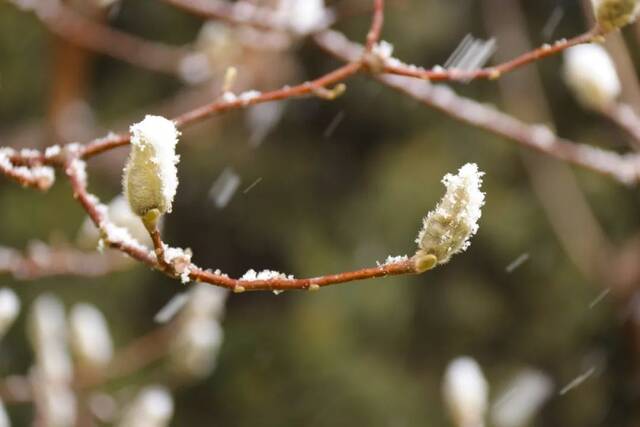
[[49, 338], [206, 301], [4, 417], [591, 75], [303, 16], [120, 214], [195, 350], [90, 337], [152, 407], [9, 309], [466, 392], [613, 14], [151, 177], [57, 403], [447, 229], [522, 399]]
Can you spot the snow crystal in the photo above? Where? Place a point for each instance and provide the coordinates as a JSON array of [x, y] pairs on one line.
[[252, 275]]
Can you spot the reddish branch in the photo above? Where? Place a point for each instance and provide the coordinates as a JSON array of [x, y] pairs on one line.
[[494, 72], [376, 25], [90, 204]]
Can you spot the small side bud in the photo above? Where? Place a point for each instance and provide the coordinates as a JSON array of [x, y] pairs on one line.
[[614, 14], [423, 262], [466, 392], [592, 76], [150, 176], [447, 229]]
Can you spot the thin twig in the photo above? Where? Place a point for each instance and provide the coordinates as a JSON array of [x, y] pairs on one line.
[[494, 72], [376, 26]]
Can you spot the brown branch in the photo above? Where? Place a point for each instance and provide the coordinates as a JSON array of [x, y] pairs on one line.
[[70, 25], [91, 205], [623, 168]]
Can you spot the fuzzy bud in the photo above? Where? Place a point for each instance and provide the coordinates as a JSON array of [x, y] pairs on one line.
[[591, 74], [447, 229], [613, 14], [466, 392], [150, 176]]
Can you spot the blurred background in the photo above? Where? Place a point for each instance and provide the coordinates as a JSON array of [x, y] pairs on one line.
[[310, 187]]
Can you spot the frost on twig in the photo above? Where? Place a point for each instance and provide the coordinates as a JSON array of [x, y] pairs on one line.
[[447, 229], [39, 177]]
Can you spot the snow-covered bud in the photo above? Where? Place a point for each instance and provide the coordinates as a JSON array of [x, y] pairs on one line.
[[613, 14], [591, 75], [4, 417], [152, 407], [522, 399], [466, 392], [9, 309], [150, 176], [447, 229], [90, 337], [195, 351]]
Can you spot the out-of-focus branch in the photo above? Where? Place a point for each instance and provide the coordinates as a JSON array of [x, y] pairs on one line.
[[42, 260], [623, 168], [238, 13], [136, 355], [624, 116], [70, 25]]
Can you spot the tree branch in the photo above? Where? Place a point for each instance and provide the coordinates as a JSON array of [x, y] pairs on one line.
[[624, 168]]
